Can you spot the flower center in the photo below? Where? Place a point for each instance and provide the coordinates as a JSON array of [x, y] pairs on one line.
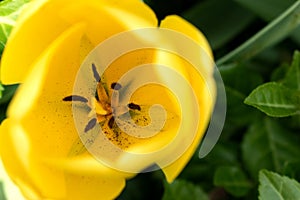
[[104, 108]]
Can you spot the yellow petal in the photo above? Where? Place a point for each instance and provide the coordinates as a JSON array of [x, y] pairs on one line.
[[48, 123], [57, 66], [177, 23], [115, 17], [42, 21], [93, 187], [40, 115], [86, 165], [14, 151], [9, 187], [153, 94], [36, 28], [205, 91], [203, 86]]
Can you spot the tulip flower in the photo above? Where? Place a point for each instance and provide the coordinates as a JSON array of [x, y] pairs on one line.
[[47, 140]]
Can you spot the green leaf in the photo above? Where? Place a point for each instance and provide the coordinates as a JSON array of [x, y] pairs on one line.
[[9, 11], [277, 30], [275, 100], [268, 145], [181, 189], [233, 180], [279, 100], [2, 194], [292, 78], [273, 187], [221, 21]]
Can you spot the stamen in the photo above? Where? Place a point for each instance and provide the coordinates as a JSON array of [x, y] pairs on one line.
[[101, 93], [75, 98], [91, 124], [134, 106], [116, 86], [111, 122], [120, 110], [96, 96], [100, 108], [96, 75], [115, 97]]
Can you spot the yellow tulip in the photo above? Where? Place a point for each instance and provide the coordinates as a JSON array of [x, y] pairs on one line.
[[39, 141]]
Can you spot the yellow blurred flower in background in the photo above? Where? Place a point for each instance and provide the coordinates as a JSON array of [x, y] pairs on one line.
[[39, 143]]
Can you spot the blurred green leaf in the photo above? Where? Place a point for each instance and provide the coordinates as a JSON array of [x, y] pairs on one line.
[[224, 153], [181, 189], [235, 108], [146, 186], [293, 122], [201, 171], [273, 187], [168, 7], [8, 93], [1, 90], [292, 78], [239, 81], [268, 145], [221, 21], [263, 8], [266, 12], [292, 169], [9, 11], [279, 73], [233, 180], [296, 35], [2, 194], [277, 30], [6, 97], [275, 100], [240, 77]]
